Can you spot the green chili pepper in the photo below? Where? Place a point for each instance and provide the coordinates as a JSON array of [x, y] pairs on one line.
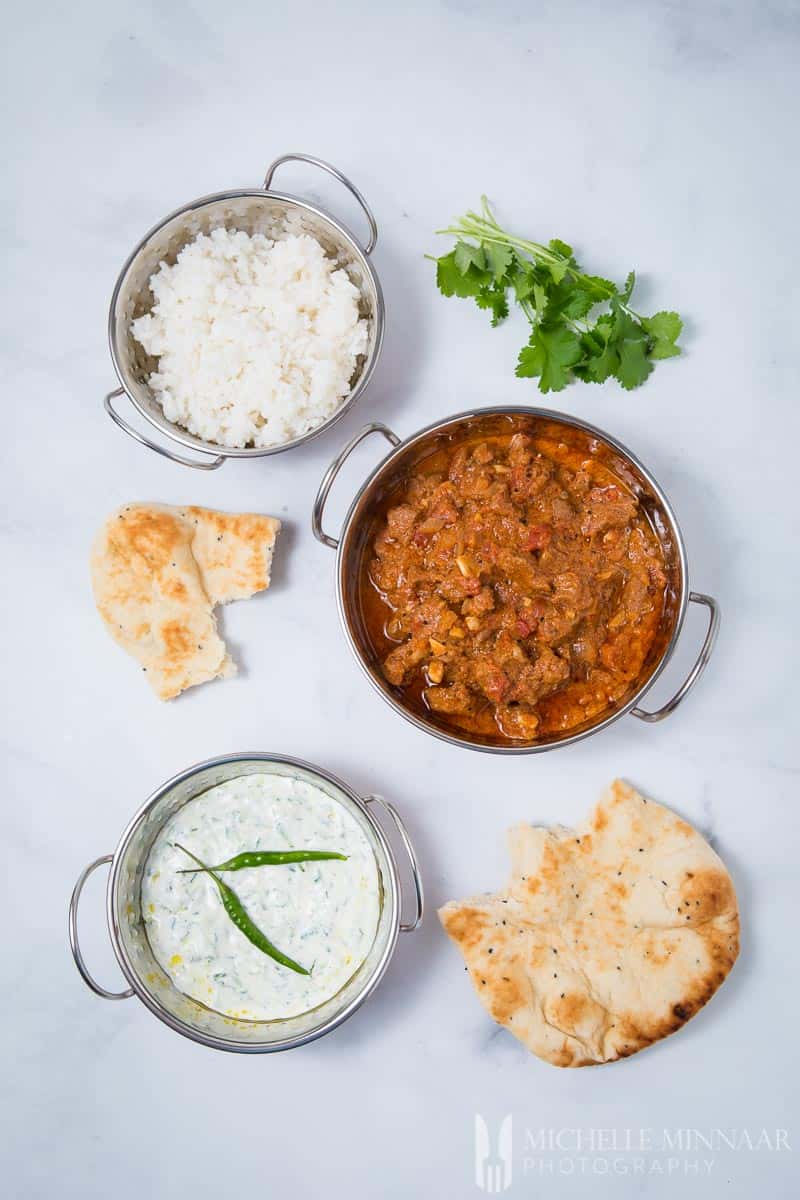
[[243, 922], [268, 858]]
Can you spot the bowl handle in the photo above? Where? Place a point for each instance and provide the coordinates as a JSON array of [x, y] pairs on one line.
[[337, 174], [419, 894], [699, 666], [333, 471], [73, 933], [139, 437]]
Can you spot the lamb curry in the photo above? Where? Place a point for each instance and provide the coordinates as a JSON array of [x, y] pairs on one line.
[[514, 587]]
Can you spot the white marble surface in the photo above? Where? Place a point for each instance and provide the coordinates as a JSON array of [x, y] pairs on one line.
[[655, 135]]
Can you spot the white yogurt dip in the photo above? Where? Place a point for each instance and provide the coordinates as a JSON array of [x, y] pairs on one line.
[[321, 914]]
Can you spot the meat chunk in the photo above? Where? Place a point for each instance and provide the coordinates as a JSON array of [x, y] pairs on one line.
[[400, 522], [483, 454], [536, 537], [493, 682], [606, 507], [457, 464], [520, 450], [482, 602], [455, 699], [432, 618], [530, 479], [518, 722], [549, 669], [403, 659]]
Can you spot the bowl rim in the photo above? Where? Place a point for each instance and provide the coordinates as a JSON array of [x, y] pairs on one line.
[[176, 432], [454, 739], [392, 885]]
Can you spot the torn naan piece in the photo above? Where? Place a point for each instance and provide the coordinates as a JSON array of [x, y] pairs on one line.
[[157, 573], [607, 938]]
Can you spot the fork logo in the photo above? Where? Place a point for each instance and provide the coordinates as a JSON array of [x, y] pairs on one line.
[[493, 1169]]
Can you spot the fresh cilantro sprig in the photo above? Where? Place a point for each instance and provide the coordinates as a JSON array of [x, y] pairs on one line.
[[582, 326]]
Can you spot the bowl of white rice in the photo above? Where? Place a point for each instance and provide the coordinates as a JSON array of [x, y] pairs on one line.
[[245, 323]]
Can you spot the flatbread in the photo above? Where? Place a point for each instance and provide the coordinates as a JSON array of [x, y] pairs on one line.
[[607, 938], [158, 571]]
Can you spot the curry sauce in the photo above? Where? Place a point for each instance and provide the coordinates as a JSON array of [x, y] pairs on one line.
[[514, 587]]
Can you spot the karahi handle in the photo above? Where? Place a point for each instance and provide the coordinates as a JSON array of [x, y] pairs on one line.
[[144, 441], [337, 174], [419, 894], [333, 470], [700, 664], [73, 934]]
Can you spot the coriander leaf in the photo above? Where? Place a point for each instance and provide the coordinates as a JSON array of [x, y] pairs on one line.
[[628, 286], [665, 329], [498, 259], [468, 256], [630, 341], [663, 325], [558, 270], [602, 289], [665, 350], [634, 365], [559, 247], [578, 304], [493, 298], [600, 360], [569, 300], [539, 297], [552, 352], [448, 276], [600, 354], [452, 282], [529, 363], [523, 278], [625, 328], [604, 327]]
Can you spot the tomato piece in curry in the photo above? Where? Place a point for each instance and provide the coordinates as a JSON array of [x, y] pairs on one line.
[[516, 588]]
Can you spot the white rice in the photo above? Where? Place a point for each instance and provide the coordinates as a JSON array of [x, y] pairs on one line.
[[257, 340]]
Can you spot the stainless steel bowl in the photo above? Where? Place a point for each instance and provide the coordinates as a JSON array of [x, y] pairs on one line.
[[359, 526], [146, 977], [259, 210]]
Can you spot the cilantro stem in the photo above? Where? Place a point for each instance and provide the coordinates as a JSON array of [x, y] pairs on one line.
[[487, 233], [486, 229]]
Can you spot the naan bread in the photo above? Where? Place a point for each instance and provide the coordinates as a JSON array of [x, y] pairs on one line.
[[158, 571], [607, 938]]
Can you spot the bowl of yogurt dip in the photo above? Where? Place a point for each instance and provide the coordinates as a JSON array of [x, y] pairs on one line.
[[254, 902]]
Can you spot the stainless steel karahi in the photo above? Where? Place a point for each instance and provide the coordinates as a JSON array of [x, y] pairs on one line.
[[146, 977], [259, 210], [359, 527]]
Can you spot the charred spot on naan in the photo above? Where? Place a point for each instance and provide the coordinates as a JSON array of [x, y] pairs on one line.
[[705, 894], [174, 589], [578, 1016], [149, 531], [507, 998], [599, 819], [178, 642], [466, 926]]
